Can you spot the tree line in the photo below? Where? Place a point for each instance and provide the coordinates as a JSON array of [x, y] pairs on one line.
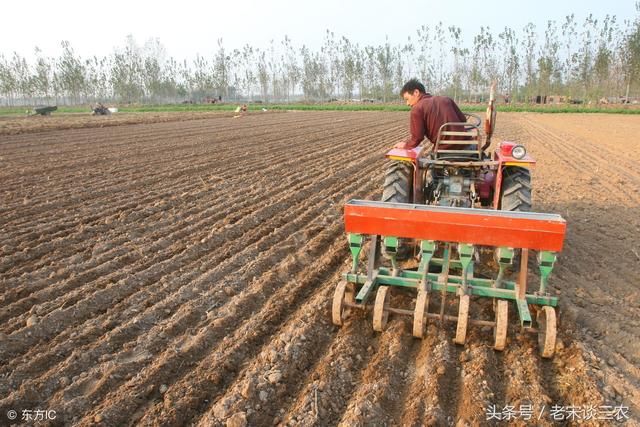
[[590, 60]]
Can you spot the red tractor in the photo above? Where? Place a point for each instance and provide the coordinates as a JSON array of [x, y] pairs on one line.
[[463, 174], [468, 176], [445, 207]]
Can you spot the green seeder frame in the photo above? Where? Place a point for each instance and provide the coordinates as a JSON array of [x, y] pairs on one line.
[[444, 282]]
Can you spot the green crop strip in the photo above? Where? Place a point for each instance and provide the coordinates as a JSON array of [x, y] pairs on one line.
[[176, 108]]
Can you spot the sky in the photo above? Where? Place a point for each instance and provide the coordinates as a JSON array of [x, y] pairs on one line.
[[191, 27]]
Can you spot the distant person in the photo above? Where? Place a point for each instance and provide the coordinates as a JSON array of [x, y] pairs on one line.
[[241, 111], [428, 113]]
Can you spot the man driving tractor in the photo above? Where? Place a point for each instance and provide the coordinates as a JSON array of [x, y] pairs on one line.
[[428, 113]]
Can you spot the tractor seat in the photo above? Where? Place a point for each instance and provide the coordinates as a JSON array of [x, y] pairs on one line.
[[459, 141]]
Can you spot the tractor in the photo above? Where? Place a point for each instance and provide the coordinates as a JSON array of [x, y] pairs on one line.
[[100, 110], [454, 223]]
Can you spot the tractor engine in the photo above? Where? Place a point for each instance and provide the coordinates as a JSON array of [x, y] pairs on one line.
[[450, 187], [458, 187]]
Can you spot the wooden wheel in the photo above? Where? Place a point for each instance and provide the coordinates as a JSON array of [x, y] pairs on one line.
[[420, 314], [547, 331], [502, 321], [344, 294], [380, 313], [463, 317]]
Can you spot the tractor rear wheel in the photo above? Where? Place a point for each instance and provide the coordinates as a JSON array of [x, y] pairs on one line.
[[516, 190], [397, 183], [398, 186], [516, 197]]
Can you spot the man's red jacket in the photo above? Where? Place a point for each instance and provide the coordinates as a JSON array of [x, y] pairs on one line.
[[428, 114]]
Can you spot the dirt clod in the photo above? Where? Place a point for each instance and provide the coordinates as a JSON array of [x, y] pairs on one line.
[[275, 377], [238, 419], [32, 320]]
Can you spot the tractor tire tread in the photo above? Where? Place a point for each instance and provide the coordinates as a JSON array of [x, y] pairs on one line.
[[516, 190], [398, 185]]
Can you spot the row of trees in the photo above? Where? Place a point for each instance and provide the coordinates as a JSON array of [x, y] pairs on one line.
[[586, 60]]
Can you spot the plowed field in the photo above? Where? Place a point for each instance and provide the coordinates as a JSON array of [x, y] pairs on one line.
[[178, 270]]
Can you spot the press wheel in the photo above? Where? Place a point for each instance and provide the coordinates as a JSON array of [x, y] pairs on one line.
[[546, 331], [463, 317], [502, 321], [420, 314], [343, 295], [380, 313]]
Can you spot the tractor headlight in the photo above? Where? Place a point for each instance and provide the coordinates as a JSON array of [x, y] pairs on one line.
[[518, 152]]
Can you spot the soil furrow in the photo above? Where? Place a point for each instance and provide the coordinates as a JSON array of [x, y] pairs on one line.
[[221, 365], [314, 210], [196, 169], [81, 279]]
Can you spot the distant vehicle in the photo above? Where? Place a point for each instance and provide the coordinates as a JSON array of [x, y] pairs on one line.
[[44, 111], [100, 110], [210, 100]]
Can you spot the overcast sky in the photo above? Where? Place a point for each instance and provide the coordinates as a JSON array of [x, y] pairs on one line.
[[189, 27]]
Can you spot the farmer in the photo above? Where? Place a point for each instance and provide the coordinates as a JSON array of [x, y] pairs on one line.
[[428, 113], [241, 111]]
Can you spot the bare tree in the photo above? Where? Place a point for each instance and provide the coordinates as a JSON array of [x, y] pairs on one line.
[[291, 66], [8, 83], [263, 74], [604, 57], [404, 64], [426, 65], [152, 66], [510, 66], [441, 74], [385, 59], [569, 36], [483, 63], [126, 71], [334, 66], [71, 73], [248, 76], [583, 74], [350, 67], [373, 86], [529, 58], [459, 53], [221, 71], [631, 52], [42, 77]]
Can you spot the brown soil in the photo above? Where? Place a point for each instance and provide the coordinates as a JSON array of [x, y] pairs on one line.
[[178, 270], [12, 125]]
